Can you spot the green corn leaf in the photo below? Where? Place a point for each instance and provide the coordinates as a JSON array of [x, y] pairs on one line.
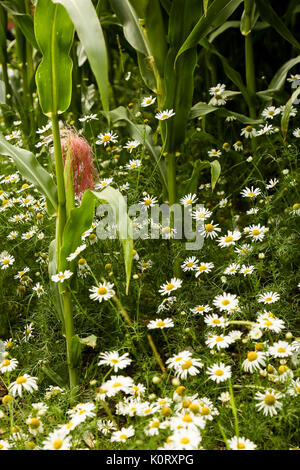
[[217, 13], [142, 133], [287, 112], [23, 20], [270, 16], [191, 185], [202, 109], [52, 269], [88, 28], [54, 33], [124, 225], [75, 351], [223, 28], [131, 26], [279, 78], [32, 171], [81, 219]]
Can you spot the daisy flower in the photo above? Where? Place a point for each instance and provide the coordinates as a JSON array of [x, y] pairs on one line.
[[123, 434], [203, 267], [201, 309], [104, 291], [6, 260], [178, 359], [268, 402], [23, 382], [189, 264], [256, 232], [8, 365], [268, 129], [232, 269], [169, 287], [220, 341], [144, 265], [61, 276], [281, 349], [113, 359], [131, 144], [241, 443], [272, 183], [133, 164], [248, 131], [107, 138], [255, 360], [188, 421], [190, 366], [201, 214], [226, 301], [251, 192], [238, 146], [189, 199], [88, 118], [219, 372], [214, 320], [229, 239], [38, 289], [118, 383], [4, 445], [57, 440], [214, 153], [78, 250], [218, 89], [166, 114], [270, 112], [147, 101], [148, 201], [103, 183], [166, 323], [35, 426], [105, 426], [296, 132], [268, 321], [183, 439], [210, 230], [246, 270], [268, 298]]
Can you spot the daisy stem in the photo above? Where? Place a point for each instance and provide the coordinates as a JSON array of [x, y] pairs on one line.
[[156, 355], [107, 374], [166, 339], [109, 413], [224, 436], [234, 410]]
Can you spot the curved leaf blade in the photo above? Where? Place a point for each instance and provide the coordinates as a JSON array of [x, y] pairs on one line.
[[55, 44], [31, 170], [287, 112], [88, 28]]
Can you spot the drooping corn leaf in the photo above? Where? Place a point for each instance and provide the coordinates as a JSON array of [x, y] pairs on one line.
[[81, 219], [201, 109], [217, 13], [279, 78], [287, 112], [191, 185], [88, 28], [268, 14], [54, 33], [32, 171]]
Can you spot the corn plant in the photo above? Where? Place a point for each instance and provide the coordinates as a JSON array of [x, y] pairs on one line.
[[54, 85]]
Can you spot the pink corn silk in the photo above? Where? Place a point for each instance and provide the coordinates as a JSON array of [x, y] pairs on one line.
[[83, 171]]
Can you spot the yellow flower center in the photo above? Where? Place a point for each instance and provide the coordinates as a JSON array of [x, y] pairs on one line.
[[187, 365], [209, 227], [106, 138], [101, 290], [270, 400], [155, 424], [201, 215], [228, 239], [216, 321], [205, 411], [282, 369], [187, 418], [248, 129], [147, 202], [117, 384], [179, 358], [241, 445], [189, 201], [1, 446], [189, 264], [296, 206], [57, 444], [5, 363], [281, 350], [34, 423], [170, 287], [202, 268], [252, 356], [194, 407], [200, 309], [184, 440], [225, 302], [123, 436], [21, 380], [160, 323], [268, 323], [255, 232], [219, 372], [164, 116], [297, 389], [6, 261], [219, 338], [114, 361]]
